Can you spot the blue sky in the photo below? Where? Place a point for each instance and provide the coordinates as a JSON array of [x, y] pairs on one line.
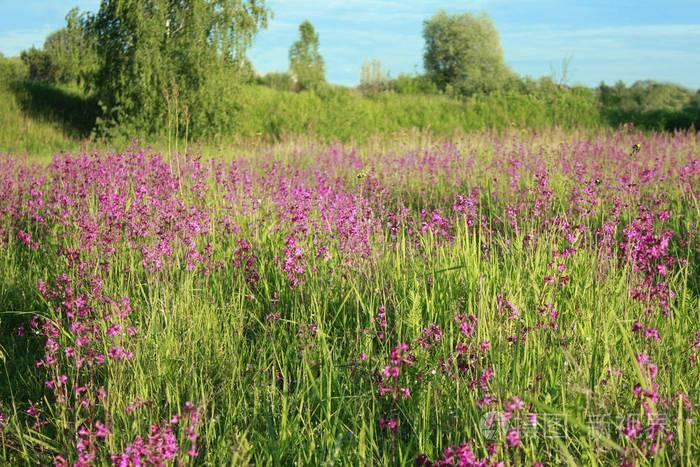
[[604, 39]]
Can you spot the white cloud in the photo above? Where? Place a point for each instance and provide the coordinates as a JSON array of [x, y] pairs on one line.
[[390, 30]]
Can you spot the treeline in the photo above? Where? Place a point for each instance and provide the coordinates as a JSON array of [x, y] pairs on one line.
[[346, 116], [179, 69], [330, 113], [463, 60], [650, 105]]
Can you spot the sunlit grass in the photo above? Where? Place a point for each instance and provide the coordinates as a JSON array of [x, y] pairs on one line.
[[286, 374]]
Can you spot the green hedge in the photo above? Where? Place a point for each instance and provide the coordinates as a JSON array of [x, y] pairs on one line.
[[339, 114]]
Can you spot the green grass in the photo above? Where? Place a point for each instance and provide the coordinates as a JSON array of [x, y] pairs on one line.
[[340, 115], [41, 119], [273, 397], [203, 339]]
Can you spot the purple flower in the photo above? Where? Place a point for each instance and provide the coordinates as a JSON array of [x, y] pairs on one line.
[[513, 439]]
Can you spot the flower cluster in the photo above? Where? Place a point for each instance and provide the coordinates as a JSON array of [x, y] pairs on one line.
[[162, 443]]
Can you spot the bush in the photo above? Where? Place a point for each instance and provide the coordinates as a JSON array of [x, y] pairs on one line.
[[280, 81], [12, 69], [39, 65], [336, 114], [413, 84], [649, 105]]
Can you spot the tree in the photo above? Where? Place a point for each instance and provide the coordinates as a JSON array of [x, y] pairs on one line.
[[692, 111], [463, 53], [72, 51], [373, 78], [172, 62], [305, 62], [649, 104], [68, 54], [39, 65], [278, 80]]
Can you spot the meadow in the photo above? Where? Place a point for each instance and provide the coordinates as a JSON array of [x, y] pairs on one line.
[[523, 298]]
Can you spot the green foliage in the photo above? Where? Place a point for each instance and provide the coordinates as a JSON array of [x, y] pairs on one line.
[[278, 80], [37, 118], [649, 105], [463, 54], [68, 55], [72, 51], [543, 86], [64, 105], [59, 117], [39, 65], [12, 69], [160, 57], [214, 113], [373, 77], [338, 114], [178, 69], [244, 70], [305, 61], [413, 84], [692, 111]]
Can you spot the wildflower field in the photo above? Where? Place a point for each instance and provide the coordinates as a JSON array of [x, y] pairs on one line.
[[523, 299]]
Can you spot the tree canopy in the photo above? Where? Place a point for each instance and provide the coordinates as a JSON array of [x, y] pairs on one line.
[[373, 77], [305, 61], [463, 53], [68, 54], [165, 61]]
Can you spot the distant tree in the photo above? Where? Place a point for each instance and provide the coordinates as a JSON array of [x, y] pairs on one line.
[[68, 54], [660, 96], [165, 62], [648, 104], [645, 96], [63, 56], [278, 80], [373, 77], [305, 61], [245, 70], [72, 50], [12, 69], [463, 53], [692, 111], [39, 65], [413, 84]]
